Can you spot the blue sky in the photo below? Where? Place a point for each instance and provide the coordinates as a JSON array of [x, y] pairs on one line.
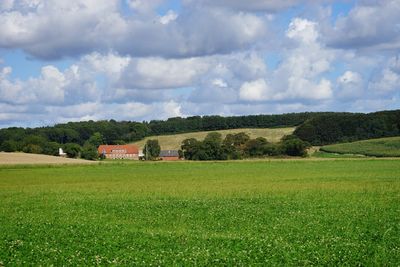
[[153, 59]]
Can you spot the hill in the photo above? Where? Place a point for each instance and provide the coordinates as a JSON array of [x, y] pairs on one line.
[[175, 141], [25, 158], [382, 147]]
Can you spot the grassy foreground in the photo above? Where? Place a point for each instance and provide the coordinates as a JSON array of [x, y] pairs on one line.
[[328, 212], [381, 147], [175, 141]]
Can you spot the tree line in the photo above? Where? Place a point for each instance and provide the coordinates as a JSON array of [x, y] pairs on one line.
[[347, 127], [239, 146]]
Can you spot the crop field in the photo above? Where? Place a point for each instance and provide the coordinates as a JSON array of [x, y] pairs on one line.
[[26, 158], [174, 141], [278, 212], [382, 147]]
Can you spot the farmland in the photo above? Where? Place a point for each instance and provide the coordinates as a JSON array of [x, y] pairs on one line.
[[175, 141], [278, 212], [381, 147]]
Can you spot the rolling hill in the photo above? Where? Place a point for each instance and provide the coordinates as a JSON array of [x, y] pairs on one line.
[[175, 141], [381, 147]]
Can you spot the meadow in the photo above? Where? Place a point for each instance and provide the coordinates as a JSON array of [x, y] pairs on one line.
[[276, 212], [174, 141], [381, 147]]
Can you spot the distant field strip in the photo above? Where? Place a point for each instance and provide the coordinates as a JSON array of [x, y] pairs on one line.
[[382, 147], [175, 141], [25, 158], [243, 213]]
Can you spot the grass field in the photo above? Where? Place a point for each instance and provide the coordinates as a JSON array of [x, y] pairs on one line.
[[382, 147], [175, 141], [327, 212]]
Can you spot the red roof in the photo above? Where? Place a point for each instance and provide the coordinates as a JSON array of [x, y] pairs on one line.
[[119, 149]]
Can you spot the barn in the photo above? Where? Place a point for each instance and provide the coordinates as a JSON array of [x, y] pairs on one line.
[[119, 151], [169, 155]]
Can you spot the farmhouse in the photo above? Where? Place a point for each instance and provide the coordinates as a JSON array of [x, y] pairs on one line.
[[119, 151], [169, 155]]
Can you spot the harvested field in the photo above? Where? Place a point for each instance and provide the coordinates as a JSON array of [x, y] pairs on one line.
[[174, 141], [24, 158]]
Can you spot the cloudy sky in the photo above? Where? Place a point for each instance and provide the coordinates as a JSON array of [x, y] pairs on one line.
[[153, 59]]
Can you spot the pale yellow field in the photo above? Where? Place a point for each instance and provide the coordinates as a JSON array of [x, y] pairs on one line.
[[175, 141], [24, 158]]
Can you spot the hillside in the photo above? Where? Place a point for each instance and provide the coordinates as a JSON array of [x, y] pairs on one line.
[[382, 147], [175, 141]]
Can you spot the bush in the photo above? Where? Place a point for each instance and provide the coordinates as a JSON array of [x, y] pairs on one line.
[[73, 150], [9, 146], [31, 148], [89, 152], [294, 147]]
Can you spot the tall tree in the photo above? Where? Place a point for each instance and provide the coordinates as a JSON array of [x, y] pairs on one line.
[[152, 149]]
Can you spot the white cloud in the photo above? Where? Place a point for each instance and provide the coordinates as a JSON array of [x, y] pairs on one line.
[[257, 90], [249, 5], [386, 82], [370, 24], [168, 17], [350, 85], [54, 29], [6, 5], [219, 83], [303, 30], [159, 73]]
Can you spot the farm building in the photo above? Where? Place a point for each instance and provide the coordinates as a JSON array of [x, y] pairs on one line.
[[169, 155], [119, 151]]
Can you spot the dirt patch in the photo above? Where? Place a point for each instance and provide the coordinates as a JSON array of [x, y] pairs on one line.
[[24, 158]]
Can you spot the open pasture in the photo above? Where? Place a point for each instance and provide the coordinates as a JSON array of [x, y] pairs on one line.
[[328, 212]]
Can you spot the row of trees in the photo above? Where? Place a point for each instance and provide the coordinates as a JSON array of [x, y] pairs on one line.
[[38, 144], [238, 146]]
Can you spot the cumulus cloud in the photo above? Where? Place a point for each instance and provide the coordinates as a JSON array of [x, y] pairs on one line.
[[385, 82], [350, 85], [370, 24], [207, 57], [159, 73], [249, 5], [257, 90], [52, 29]]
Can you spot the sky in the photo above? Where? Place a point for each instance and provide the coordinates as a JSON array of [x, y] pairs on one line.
[[80, 60]]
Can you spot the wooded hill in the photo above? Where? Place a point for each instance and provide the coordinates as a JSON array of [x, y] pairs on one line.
[[315, 127]]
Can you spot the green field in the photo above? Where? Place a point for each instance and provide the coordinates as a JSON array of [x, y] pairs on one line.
[[175, 141], [382, 147], [279, 212]]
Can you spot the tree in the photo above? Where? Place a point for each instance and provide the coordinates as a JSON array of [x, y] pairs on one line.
[[89, 152], [96, 139], [34, 149], [73, 150], [9, 146], [190, 148], [51, 148], [152, 149], [294, 146], [255, 147], [212, 147]]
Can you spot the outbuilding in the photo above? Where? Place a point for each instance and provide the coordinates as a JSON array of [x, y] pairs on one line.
[[169, 155]]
